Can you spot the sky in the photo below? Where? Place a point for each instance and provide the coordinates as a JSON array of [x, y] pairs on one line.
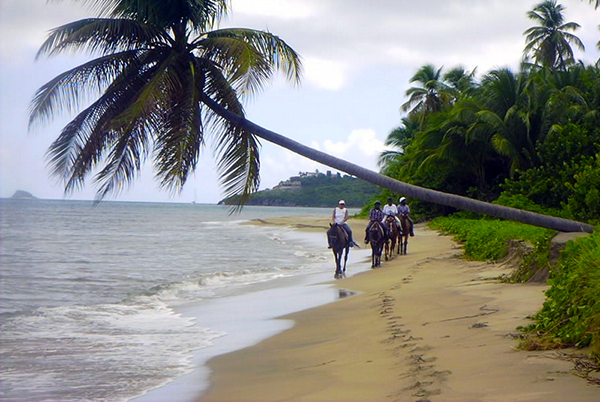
[[358, 58]]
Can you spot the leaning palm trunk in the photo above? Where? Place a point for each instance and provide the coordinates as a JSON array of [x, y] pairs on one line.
[[423, 194]]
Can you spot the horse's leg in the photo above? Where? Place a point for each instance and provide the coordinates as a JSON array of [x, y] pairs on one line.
[[386, 250], [343, 274], [373, 253], [337, 264], [405, 245]]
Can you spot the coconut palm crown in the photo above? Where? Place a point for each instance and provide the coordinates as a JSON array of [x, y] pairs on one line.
[[550, 43], [156, 64]]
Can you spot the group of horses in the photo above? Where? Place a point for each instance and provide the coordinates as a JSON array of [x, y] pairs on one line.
[[395, 243]]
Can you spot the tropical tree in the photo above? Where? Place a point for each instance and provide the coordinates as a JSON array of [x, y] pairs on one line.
[[431, 96], [397, 141], [462, 81], [167, 80], [550, 43]]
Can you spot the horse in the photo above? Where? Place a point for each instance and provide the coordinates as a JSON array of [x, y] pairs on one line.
[[393, 232], [405, 230], [340, 245], [376, 237]]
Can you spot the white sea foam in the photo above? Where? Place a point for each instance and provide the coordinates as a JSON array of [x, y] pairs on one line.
[[127, 348]]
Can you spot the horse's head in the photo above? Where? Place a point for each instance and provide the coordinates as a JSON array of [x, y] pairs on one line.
[[376, 232]]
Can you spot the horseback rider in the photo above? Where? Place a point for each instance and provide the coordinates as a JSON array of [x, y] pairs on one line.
[[376, 215], [404, 209], [390, 209], [340, 216]]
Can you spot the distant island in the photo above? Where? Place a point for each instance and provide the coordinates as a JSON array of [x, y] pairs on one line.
[[22, 195], [314, 189]]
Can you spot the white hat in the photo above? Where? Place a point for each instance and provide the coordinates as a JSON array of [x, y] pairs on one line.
[[342, 202], [402, 199]]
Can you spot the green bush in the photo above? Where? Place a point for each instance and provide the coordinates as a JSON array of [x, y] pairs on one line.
[[584, 203], [571, 314], [488, 239]]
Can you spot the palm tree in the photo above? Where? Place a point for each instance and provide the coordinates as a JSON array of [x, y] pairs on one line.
[[166, 81], [431, 96], [549, 43], [397, 141], [462, 82]]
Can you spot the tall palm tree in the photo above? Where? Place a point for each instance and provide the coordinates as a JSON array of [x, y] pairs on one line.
[[167, 81], [431, 96], [550, 43], [157, 62]]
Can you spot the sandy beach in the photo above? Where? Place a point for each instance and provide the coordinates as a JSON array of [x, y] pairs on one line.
[[428, 326]]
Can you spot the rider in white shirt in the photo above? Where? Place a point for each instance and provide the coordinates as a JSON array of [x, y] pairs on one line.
[[390, 209], [340, 216]]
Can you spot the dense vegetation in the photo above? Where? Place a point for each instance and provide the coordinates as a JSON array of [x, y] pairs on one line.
[[528, 139], [321, 190], [571, 314], [489, 239]]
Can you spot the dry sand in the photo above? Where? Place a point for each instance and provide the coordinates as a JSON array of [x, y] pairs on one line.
[[427, 326]]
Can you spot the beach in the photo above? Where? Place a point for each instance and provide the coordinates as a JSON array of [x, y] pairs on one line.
[[427, 326]]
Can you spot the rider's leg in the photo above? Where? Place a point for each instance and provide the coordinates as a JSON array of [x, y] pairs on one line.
[[412, 226], [386, 231], [348, 230], [367, 232]]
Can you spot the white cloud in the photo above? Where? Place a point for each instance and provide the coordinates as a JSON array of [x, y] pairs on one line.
[[324, 74], [360, 146]]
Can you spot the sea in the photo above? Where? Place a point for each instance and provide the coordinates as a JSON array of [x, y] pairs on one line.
[[125, 301]]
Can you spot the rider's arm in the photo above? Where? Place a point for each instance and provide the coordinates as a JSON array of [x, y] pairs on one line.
[[346, 216], [333, 216]]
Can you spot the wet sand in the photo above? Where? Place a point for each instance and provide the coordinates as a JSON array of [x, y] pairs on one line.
[[427, 326]]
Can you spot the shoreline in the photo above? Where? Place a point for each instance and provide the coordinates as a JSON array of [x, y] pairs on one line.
[[428, 326], [251, 317]]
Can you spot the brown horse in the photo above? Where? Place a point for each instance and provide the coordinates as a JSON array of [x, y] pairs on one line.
[[393, 233], [340, 245], [376, 237], [405, 230]]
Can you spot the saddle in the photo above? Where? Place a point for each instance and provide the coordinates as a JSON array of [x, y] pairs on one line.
[[337, 228]]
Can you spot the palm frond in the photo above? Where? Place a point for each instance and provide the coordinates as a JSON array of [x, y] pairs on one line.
[[103, 36], [236, 149], [182, 136], [250, 57], [85, 140], [65, 92]]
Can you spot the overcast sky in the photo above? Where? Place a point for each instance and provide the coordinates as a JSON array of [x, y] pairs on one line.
[[358, 57]]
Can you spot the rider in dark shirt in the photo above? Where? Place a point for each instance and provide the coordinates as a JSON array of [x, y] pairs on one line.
[[376, 215]]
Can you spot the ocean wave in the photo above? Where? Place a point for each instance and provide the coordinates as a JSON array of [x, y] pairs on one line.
[[129, 348]]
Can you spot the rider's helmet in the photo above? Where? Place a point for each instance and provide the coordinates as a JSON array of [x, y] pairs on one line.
[[402, 200], [377, 203]]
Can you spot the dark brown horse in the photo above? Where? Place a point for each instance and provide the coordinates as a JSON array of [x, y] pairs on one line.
[[340, 245], [376, 237], [393, 233], [404, 232]]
